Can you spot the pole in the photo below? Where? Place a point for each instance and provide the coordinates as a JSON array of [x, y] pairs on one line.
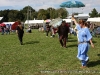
[[28, 15]]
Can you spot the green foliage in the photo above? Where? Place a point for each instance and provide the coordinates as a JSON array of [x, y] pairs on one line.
[[93, 13], [49, 13], [63, 13], [20, 16], [42, 14], [5, 15], [12, 15]]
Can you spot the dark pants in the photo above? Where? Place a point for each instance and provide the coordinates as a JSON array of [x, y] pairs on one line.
[[47, 32], [62, 40], [20, 36]]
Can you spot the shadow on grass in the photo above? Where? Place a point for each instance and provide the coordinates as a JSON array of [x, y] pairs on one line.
[[94, 42], [74, 45], [98, 55], [32, 42], [72, 40], [93, 63]]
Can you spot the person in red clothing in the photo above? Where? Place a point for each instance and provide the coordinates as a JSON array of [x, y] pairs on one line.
[[63, 31]]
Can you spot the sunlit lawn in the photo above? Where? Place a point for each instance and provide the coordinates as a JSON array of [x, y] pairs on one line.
[[41, 55]]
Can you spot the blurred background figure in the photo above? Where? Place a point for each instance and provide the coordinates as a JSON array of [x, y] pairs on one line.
[[2, 30], [48, 29], [29, 30], [63, 31], [7, 30], [20, 32]]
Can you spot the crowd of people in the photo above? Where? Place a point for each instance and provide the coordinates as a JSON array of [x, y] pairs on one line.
[[5, 30]]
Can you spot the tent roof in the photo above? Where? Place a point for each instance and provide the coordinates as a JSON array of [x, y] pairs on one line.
[[80, 15], [83, 15], [67, 20], [33, 21], [1, 18], [96, 19], [8, 22]]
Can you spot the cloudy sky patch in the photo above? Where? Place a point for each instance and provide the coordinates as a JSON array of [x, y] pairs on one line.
[[44, 4]]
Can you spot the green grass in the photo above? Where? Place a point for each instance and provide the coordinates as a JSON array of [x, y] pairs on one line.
[[41, 55]]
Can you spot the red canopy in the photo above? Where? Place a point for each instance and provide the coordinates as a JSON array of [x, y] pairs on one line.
[[2, 24], [13, 27]]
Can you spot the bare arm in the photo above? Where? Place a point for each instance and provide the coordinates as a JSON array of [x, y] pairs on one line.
[[91, 43], [73, 19]]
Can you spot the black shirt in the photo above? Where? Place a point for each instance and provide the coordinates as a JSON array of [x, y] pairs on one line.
[[20, 31], [63, 30]]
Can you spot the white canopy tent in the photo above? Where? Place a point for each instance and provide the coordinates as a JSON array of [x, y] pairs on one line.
[[1, 18], [8, 23], [33, 21], [83, 16], [67, 20], [96, 19], [80, 16]]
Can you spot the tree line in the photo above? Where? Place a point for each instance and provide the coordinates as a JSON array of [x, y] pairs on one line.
[[41, 14]]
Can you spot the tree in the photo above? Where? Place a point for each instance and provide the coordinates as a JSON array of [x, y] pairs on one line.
[[12, 15], [5, 16], [93, 13], [63, 13], [51, 13], [34, 15], [20, 16], [28, 11], [99, 15], [42, 14]]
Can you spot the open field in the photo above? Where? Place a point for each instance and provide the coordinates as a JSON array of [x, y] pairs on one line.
[[41, 55]]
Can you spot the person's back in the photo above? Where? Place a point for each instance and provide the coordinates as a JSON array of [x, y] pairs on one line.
[[63, 30]]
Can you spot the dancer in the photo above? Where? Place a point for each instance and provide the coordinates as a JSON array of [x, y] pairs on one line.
[[84, 38]]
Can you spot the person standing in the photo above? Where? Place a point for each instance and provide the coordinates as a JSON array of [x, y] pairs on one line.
[[47, 29], [63, 31], [2, 27], [84, 38], [20, 32]]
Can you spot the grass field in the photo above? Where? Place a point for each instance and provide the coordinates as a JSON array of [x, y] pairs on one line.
[[41, 55]]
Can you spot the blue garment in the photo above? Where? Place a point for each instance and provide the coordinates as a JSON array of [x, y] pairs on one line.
[[78, 27], [83, 36]]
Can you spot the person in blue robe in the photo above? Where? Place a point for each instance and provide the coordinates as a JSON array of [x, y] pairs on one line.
[[84, 38]]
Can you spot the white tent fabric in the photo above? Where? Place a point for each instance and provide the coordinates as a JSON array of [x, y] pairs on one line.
[[1, 18], [33, 21], [97, 19], [9, 23], [83, 15], [80, 16], [67, 20]]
